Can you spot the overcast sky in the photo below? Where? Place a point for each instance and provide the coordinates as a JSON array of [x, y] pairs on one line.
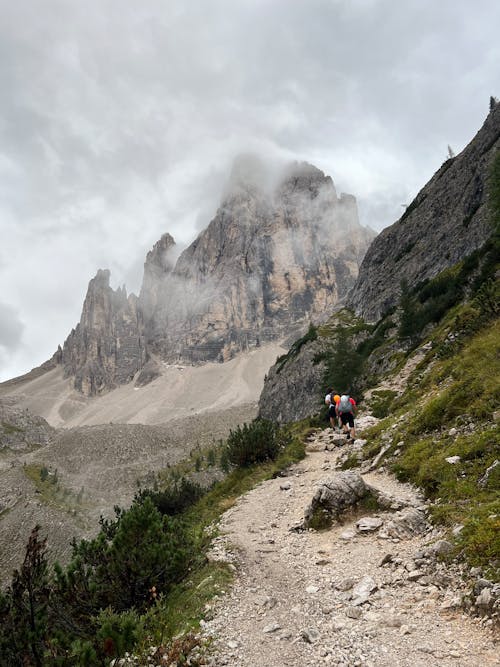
[[119, 120]]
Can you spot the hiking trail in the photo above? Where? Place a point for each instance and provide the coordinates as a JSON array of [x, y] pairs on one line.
[[291, 603]]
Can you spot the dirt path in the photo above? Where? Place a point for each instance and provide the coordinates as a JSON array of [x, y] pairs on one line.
[[290, 601]]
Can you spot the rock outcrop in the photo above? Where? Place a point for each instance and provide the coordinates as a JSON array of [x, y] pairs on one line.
[[20, 430], [107, 347], [280, 253], [291, 388], [447, 221]]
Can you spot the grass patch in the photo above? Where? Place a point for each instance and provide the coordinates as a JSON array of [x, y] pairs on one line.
[[351, 462], [51, 491], [381, 402], [180, 613], [458, 388], [321, 519]]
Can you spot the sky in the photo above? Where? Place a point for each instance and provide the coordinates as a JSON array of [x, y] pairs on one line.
[[119, 121]]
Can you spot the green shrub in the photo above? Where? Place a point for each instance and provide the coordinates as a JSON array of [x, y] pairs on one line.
[[119, 568], [344, 363], [321, 519], [116, 633], [480, 537], [211, 457], [252, 443], [176, 498], [24, 609], [381, 402], [376, 338]]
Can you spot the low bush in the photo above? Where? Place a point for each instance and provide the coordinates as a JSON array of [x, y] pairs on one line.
[[381, 402], [174, 499], [253, 443]]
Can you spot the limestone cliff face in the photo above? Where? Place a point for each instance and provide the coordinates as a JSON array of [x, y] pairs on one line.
[[107, 347], [447, 221], [270, 262], [281, 252], [292, 389], [157, 271]]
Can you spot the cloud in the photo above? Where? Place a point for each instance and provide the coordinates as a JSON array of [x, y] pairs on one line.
[[119, 121], [11, 328]]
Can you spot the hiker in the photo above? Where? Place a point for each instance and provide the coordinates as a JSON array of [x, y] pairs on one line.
[[331, 400], [346, 409]]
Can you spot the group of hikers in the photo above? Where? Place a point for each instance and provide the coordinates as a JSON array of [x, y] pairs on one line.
[[341, 411]]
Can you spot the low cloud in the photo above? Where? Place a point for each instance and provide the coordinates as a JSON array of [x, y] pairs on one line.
[[11, 328]]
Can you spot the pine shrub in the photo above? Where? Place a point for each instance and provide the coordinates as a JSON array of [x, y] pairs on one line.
[[253, 443], [176, 498]]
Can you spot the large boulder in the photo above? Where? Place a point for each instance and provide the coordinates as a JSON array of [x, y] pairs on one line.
[[335, 495]]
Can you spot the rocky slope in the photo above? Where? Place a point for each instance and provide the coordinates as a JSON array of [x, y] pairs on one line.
[[293, 385], [89, 470], [282, 251], [20, 430], [447, 221]]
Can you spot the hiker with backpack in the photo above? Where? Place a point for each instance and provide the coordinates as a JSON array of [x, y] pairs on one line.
[[346, 409], [331, 400]]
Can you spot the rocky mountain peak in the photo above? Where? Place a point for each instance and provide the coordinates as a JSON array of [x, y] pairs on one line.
[[159, 263], [306, 178], [106, 347], [268, 263]]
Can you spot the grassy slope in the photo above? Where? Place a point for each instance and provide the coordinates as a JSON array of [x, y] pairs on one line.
[[447, 410]]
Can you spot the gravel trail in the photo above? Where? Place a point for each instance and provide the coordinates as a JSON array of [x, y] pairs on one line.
[[290, 603]]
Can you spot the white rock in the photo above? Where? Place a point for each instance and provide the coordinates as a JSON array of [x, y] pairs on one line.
[[452, 459], [310, 635], [368, 524], [272, 627], [365, 586], [347, 535], [312, 589]]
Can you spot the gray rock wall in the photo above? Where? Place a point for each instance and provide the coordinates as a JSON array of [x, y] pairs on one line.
[[447, 221], [107, 347], [296, 390]]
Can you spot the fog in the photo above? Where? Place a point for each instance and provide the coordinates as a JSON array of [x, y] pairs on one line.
[[120, 121]]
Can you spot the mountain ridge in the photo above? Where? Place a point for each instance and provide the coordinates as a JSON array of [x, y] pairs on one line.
[[447, 220]]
